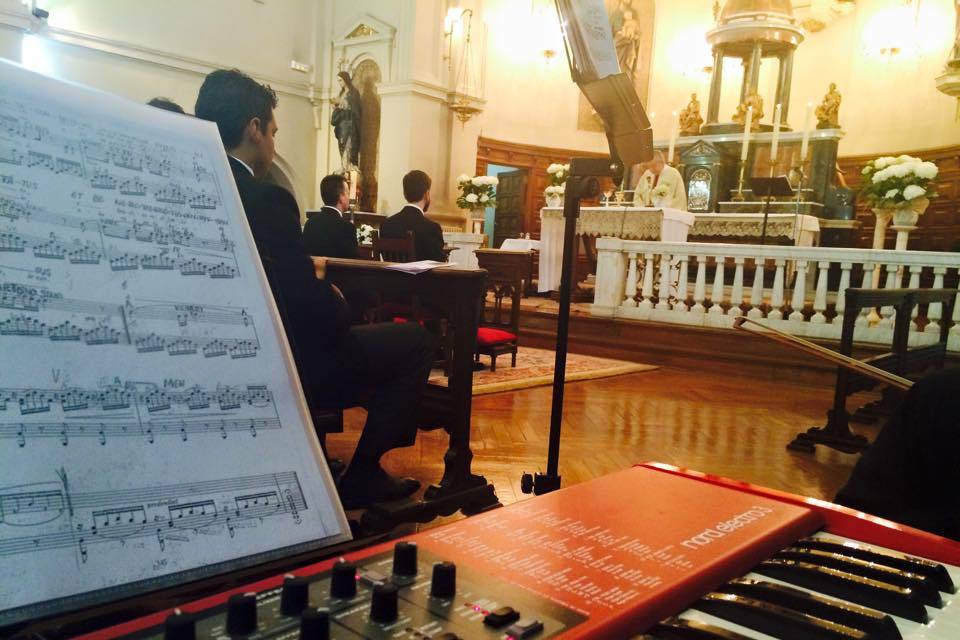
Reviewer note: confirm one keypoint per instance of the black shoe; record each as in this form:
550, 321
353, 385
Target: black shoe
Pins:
360, 488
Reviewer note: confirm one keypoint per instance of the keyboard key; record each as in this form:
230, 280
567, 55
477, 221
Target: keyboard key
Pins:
898, 601
680, 629
775, 620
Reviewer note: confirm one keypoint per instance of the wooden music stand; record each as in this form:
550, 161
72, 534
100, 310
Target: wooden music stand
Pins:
767, 188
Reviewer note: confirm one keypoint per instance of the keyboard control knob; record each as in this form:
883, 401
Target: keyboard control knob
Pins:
242, 614
383, 607
343, 580
443, 584
315, 625
294, 596
180, 626
405, 559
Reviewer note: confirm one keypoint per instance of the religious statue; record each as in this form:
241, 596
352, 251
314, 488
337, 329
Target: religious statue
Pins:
690, 118
828, 113
626, 37
345, 120
740, 117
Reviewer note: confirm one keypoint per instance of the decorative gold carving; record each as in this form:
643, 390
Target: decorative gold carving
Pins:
828, 113
740, 117
362, 30
690, 118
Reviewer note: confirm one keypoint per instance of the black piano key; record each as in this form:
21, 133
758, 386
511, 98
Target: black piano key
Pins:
877, 624
898, 601
921, 585
683, 629
773, 619
920, 566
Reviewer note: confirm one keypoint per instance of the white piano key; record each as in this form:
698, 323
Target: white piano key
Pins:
699, 616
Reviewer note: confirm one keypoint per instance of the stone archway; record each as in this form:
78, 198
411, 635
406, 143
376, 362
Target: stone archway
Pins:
367, 77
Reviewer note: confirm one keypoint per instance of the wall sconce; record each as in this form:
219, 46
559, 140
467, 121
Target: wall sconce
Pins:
455, 22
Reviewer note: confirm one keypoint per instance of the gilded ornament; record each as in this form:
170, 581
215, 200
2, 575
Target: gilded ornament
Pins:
690, 118
828, 113
753, 100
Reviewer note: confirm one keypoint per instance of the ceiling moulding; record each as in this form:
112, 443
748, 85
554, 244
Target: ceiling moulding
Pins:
817, 15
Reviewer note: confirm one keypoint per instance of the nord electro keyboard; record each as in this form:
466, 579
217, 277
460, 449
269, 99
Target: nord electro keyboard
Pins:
652, 552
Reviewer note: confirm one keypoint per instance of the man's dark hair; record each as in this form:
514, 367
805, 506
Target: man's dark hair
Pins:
166, 104
415, 185
331, 187
232, 99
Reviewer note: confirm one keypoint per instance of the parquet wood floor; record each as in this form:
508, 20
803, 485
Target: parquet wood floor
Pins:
733, 426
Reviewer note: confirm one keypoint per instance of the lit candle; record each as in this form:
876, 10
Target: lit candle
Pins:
805, 145
776, 134
746, 134
673, 137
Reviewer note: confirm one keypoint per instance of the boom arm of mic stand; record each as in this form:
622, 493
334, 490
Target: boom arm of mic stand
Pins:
582, 183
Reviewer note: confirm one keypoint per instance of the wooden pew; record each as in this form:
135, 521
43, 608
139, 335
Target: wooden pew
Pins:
459, 294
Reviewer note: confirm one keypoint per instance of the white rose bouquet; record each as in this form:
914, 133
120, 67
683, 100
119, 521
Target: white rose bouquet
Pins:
364, 234
477, 192
889, 181
558, 174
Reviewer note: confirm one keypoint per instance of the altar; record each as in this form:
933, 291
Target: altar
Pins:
668, 225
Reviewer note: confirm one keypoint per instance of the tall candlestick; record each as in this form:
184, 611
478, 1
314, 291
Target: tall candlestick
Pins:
674, 128
748, 123
776, 134
805, 145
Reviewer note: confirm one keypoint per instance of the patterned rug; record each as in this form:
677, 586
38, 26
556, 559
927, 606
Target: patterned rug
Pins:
535, 369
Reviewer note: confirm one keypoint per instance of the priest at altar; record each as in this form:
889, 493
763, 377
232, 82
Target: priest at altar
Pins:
659, 177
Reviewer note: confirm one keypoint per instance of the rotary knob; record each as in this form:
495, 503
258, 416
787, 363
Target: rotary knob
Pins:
343, 580
315, 625
443, 583
242, 614
405, 559
383, 607
180, 626
294, 596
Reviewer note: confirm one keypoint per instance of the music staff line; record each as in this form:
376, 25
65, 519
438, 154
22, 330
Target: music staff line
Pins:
168, 513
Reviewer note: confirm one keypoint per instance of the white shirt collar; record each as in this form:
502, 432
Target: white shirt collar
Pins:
334, 209
246, 166
417, 207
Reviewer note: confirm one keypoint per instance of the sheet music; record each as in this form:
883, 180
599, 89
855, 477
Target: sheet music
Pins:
151, 423
587, 28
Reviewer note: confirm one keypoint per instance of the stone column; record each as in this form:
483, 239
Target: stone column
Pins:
756, 58
784, 80
716, 81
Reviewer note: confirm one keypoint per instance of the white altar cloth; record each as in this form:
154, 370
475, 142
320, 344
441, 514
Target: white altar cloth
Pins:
520, 244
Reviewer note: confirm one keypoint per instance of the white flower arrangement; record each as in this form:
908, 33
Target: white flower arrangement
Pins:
364, 234
558, 174
890, 181
477, 191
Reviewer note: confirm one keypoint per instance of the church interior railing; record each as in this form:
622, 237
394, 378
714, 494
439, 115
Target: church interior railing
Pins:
795, 289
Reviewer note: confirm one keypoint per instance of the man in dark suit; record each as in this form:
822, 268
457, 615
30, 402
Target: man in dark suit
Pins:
337, 363
428, 236
327, 233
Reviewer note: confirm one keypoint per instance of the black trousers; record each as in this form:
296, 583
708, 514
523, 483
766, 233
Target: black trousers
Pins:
911, 473
383, 367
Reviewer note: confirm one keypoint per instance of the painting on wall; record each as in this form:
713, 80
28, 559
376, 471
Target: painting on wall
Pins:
366, 78
631, 22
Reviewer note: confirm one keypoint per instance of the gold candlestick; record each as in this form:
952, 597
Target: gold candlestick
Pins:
738, 196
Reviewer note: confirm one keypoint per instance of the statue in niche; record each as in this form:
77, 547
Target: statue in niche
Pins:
690, 118
346, 122
828, 113
740, 117
626, 37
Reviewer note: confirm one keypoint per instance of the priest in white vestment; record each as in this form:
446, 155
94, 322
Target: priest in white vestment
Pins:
658, 177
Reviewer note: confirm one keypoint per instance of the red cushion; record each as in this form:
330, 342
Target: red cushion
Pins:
401, 320
487, 336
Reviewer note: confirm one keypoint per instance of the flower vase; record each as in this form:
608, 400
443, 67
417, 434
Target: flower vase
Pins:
554, 200
904, 217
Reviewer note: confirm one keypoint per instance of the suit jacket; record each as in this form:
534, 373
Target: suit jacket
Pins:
677, 195
328, 234
315, 318
428, 236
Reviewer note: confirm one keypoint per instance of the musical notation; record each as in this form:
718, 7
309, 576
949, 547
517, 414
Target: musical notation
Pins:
135, 410
55, 515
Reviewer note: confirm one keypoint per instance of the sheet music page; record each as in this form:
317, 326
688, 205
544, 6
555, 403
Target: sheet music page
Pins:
587, 26
151, 421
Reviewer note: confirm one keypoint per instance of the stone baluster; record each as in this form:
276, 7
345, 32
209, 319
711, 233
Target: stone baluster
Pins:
716, 297
915, 271
776, 296
820, 299
841, 304
646, 300
663, 301
935, 312
681, 303
700, 288
756, 292
887, 314
956, 317
631, 295
870, 271
799, 291
736, 295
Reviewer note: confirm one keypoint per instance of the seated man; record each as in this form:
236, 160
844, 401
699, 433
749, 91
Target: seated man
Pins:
327, 233
336, 362
658, 173
428, 236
